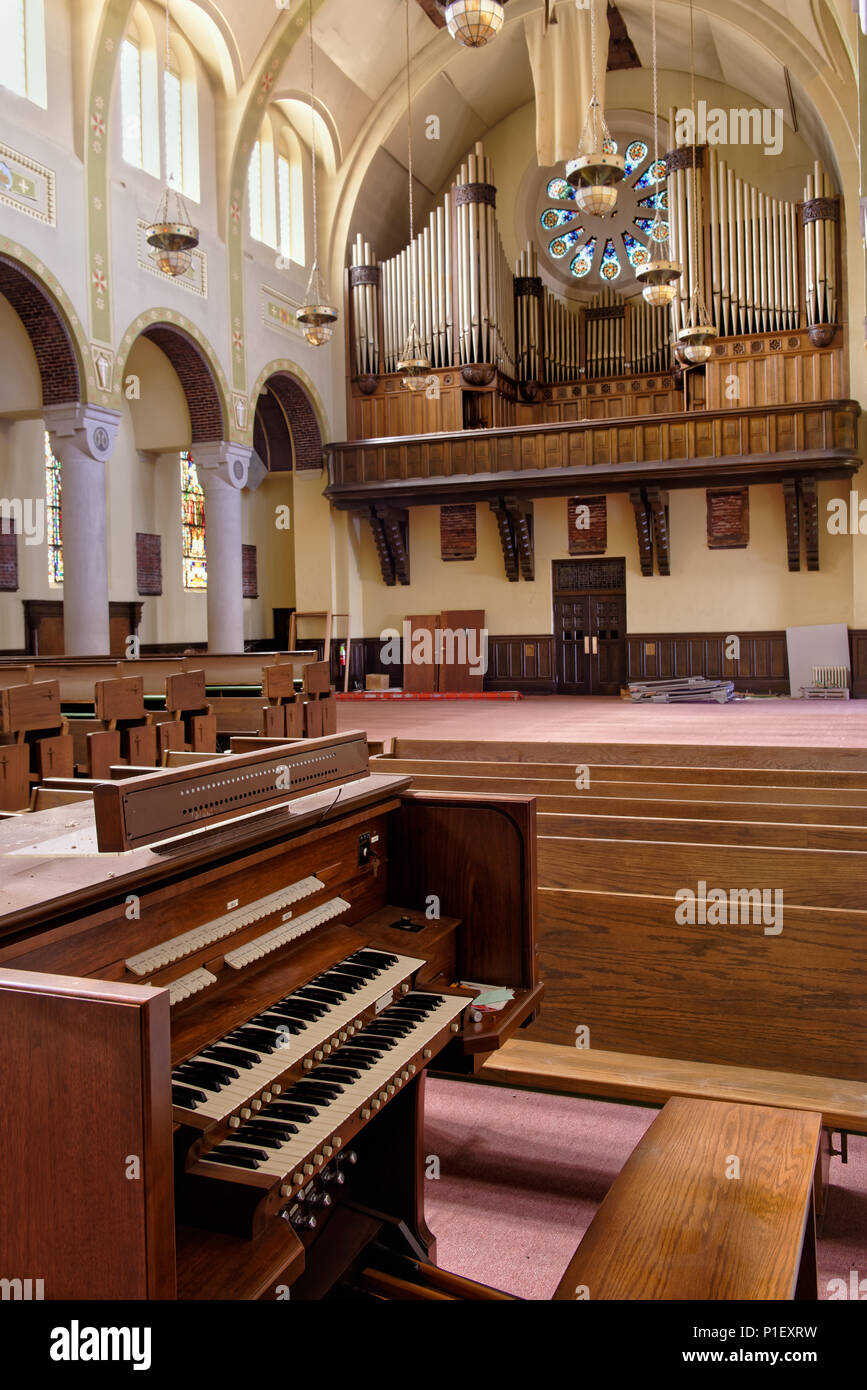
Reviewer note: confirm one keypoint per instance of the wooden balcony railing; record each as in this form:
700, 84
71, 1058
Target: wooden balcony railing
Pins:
683, 449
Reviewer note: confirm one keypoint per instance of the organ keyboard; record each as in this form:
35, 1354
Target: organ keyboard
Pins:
247, 1010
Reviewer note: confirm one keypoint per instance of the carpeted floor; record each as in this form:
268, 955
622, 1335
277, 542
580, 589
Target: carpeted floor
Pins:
521, 1175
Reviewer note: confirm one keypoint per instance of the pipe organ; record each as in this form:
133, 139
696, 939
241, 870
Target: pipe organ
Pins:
764, 265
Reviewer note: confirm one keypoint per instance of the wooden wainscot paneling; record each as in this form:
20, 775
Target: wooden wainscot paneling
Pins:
521, 663
782, 368
756, 661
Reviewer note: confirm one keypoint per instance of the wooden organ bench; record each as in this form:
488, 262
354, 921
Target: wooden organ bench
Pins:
715, 1202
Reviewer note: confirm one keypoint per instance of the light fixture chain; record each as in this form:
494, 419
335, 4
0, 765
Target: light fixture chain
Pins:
313, 137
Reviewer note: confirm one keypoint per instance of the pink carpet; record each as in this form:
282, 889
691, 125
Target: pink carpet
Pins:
522, 1175
600, 719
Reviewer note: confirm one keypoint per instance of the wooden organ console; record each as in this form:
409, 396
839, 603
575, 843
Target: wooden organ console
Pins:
222, 987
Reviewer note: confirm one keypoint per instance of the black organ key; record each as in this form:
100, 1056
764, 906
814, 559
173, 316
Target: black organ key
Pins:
224, 1051
231, 1160
186, 1099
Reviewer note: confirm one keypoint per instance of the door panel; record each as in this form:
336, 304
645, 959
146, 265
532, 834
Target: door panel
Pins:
572, 642
589, 628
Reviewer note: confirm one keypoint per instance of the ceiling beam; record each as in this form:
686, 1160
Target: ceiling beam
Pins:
434, 12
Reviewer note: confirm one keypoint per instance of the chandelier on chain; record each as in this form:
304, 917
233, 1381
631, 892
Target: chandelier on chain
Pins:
694, 342
316, 316
172, 234
414, 362
474, 22
598, 168
660, 275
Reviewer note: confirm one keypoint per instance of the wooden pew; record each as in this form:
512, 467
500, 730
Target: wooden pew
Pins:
47, 798
677, 1225
807, 877
683, 829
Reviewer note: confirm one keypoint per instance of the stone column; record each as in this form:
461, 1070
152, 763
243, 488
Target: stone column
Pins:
82, 438
223, 471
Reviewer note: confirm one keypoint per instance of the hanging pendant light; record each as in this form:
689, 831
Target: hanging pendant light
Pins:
316, 316
696, 339
598, 168
474, 22
414, 362
172, 234
660, 275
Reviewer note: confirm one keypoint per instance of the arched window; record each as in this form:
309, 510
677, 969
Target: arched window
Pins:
145, 116
276, 191
140, 129
181, 123
53, 517
22, 49
290, 197
193, 525
262, 188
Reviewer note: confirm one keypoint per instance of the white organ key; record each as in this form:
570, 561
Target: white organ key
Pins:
282, 1162
250, 1081
185, 985
279, 936
146, 962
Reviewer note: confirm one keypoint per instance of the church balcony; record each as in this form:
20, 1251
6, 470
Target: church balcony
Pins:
699, 448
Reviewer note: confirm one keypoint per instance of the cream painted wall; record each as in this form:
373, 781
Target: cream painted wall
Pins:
708, 590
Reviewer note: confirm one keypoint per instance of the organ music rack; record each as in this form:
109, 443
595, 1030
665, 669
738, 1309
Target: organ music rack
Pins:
217, 1012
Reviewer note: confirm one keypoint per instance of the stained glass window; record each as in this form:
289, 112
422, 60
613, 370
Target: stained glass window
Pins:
53, 520
653, 174
560, 245
559, 188
193, 525
656, 200
556, 217
642, 197
583, 261
610, 268
636, 251
636, 153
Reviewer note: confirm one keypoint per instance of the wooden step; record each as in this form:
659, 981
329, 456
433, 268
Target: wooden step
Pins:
591, 773
654, 1080
713, 755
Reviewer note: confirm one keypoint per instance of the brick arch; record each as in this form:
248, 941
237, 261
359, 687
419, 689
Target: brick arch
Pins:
45, 324
197, 378
284, 402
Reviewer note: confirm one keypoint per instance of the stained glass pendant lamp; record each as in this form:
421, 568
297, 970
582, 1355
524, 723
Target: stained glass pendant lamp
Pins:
598, 169
316, 316
660, 275
696, 339
414, 362
172, 234
474, 22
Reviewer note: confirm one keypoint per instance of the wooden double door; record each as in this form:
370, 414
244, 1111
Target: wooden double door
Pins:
589, 627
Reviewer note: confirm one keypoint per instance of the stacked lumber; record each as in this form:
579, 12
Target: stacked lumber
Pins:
693, 690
